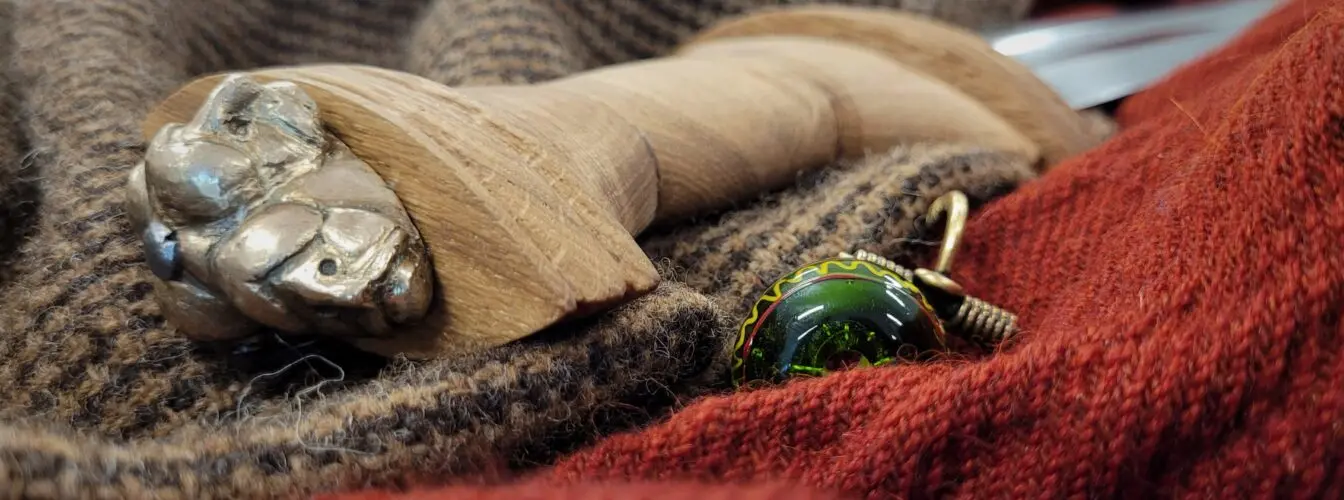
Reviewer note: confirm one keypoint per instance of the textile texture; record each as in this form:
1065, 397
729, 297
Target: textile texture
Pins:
99, 398
1180, 288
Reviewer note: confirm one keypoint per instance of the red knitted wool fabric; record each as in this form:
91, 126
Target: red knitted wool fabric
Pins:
676, 491
1180, 289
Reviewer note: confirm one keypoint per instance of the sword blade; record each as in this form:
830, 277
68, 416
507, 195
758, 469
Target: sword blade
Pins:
1096, 61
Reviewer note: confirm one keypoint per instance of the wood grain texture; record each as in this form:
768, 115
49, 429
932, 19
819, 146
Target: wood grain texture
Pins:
945, 52
731, 119
528, 196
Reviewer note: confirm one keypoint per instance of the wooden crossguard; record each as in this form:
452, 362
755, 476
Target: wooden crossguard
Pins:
528, 197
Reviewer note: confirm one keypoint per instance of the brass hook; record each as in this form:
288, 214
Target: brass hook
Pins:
957, 208
978, 321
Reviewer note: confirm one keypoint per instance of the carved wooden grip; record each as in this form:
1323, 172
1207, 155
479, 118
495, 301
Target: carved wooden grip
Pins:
528, 197
947, 53
730, 119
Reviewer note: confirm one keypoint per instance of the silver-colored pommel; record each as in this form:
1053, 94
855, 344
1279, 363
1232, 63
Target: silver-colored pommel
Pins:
253, 214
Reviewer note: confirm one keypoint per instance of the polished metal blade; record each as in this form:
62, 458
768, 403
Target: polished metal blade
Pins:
1096, 61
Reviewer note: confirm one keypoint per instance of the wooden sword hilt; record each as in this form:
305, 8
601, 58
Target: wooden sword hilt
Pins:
528, 197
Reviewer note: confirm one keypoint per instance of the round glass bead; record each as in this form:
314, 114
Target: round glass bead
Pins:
834, 315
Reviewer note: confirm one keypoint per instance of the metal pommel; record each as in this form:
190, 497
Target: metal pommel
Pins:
253, 215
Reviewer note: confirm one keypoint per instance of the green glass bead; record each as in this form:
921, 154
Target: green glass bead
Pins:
833, 315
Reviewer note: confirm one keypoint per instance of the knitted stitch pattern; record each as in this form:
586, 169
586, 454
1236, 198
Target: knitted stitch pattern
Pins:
1180, 289
98, 398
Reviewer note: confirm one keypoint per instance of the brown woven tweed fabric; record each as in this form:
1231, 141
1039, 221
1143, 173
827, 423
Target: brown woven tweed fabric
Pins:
98, 398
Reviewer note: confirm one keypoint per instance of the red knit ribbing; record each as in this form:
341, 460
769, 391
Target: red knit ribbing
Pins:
1180, 289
